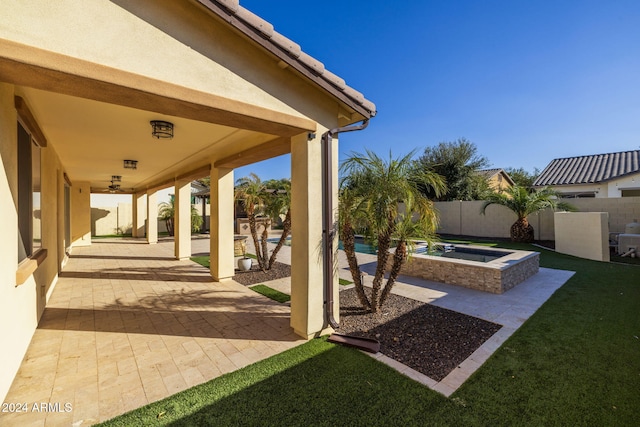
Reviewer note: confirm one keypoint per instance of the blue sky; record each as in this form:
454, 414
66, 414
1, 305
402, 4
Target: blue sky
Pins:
526, 81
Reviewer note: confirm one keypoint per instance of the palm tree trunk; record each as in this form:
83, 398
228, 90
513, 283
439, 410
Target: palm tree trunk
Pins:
265, 249
254, 236
399, 258
522, 231
384, 242
349, 244
286, 229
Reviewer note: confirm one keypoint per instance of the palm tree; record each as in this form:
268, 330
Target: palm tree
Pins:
382, 185
418, 221
250, 192
352, 216
269, 200
167, 211
523, 203
278, 204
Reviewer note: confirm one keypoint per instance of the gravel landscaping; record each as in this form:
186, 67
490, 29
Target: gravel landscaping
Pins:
255, 275
427, 338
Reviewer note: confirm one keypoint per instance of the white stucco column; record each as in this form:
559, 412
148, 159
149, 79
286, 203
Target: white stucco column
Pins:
307, 292
139, 214
152, 217
182, 219
221, 224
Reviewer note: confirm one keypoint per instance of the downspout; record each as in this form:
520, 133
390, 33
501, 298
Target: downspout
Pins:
329, 227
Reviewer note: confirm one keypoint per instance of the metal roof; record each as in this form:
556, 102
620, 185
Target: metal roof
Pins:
589, 169
262, 32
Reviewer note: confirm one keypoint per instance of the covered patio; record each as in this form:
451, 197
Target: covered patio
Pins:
78, 116
128, 324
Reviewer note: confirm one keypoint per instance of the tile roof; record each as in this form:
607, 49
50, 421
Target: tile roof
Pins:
589, 169
289, 52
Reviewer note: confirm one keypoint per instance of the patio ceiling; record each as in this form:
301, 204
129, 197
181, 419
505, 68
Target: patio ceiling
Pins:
93, 138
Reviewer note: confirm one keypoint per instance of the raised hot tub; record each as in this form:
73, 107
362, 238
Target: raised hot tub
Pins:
475, 267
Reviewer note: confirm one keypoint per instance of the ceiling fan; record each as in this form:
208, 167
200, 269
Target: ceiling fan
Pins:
114, 188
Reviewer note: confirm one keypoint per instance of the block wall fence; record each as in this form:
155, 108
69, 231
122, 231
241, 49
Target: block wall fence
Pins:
464, 217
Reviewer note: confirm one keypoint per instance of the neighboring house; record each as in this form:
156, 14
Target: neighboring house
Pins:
498, 179
598, 175
80, 84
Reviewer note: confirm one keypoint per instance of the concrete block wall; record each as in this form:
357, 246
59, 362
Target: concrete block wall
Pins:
111, 220
464, 218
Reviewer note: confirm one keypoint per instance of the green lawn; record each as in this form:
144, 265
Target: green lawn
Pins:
271, 293
204, 260
576, 361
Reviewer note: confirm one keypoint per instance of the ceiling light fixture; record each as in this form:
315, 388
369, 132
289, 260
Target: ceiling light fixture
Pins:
131, 164
161, 129
116, 178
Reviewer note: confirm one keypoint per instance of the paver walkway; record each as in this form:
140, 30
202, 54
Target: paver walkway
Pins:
127, 325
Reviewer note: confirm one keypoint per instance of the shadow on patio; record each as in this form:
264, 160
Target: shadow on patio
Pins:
127, 324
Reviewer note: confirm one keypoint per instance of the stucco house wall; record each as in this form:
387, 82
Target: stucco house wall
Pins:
22, 305
608, 189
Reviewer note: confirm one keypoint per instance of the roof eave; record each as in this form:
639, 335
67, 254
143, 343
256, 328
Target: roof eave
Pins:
363, 107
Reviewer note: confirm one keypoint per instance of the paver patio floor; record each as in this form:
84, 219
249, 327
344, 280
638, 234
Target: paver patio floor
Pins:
127, 324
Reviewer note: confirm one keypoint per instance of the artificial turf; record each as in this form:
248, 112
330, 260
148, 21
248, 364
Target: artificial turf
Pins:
271, 293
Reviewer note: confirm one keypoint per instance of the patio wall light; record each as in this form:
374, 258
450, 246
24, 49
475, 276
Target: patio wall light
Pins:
131, 164
161, 129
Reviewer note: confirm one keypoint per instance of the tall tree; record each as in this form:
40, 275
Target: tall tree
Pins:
523, 203
522, 177
373, 192
458, 162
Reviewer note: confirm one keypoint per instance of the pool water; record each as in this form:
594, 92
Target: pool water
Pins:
457, 252
469, 254
361, 247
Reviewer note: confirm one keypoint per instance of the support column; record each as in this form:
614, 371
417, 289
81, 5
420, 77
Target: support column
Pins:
221, 224
139, 203
182, 220
307, 291
152, 217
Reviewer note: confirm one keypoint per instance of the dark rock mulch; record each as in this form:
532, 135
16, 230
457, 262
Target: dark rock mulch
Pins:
255, 275
427, 338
